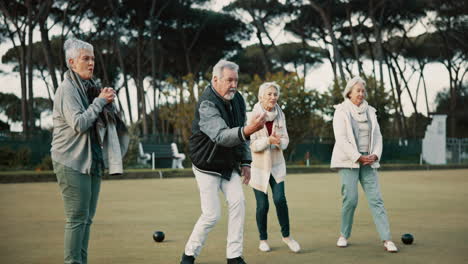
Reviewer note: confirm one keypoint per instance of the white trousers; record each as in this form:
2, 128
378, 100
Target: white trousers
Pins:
209, 187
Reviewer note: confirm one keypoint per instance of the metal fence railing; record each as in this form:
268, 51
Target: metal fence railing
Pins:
311, 151
320, 151
34, 147
457, 150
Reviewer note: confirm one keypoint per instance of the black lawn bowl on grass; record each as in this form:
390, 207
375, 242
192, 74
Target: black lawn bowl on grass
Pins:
158, 236
407, 239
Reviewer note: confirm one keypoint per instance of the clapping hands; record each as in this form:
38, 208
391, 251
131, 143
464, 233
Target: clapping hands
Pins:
274, 139
108, 94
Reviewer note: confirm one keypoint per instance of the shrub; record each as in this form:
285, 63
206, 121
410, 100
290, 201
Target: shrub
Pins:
13, 159
46, 164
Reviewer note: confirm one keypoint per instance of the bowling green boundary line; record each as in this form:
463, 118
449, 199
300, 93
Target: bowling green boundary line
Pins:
49, 176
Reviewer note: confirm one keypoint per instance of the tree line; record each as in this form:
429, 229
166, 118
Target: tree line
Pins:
163, 51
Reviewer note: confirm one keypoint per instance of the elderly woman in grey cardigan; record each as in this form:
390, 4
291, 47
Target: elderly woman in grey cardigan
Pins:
88, 136
269, 166
356, 155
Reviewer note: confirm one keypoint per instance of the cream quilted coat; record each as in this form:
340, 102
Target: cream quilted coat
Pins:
268, 159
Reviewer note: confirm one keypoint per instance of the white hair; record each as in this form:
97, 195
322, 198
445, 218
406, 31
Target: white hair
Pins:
219, 67
350, 85
265, 86
72, 48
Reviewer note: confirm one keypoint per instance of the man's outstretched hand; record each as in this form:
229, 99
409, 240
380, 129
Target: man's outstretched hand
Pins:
257, 124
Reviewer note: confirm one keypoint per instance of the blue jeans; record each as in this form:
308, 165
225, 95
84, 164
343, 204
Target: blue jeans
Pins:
80, 194
349, 190
279, 198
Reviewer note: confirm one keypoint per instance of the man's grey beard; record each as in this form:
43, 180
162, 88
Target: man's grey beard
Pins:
230, 95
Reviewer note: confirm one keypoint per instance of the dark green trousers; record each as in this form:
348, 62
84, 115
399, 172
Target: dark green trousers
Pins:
279, 198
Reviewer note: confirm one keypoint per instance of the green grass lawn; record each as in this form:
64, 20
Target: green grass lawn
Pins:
432, 205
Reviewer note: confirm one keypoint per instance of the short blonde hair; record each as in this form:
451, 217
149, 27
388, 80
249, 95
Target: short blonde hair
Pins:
350, 85
265, 86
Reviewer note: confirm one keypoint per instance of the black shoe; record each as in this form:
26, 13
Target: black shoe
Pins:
187, 259
238, 260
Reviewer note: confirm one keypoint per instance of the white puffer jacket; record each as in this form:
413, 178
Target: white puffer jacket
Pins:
345, 152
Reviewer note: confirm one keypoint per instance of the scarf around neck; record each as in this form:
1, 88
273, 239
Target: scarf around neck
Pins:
277, 113
92, 90
359, 113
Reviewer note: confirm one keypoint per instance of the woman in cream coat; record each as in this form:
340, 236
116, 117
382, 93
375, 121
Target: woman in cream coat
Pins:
269, 166
356, 155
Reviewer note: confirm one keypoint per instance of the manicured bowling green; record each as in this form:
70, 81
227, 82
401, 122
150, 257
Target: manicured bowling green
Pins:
431, 205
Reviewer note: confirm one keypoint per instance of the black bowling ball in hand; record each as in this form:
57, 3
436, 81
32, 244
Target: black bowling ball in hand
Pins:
158, 236
407, 239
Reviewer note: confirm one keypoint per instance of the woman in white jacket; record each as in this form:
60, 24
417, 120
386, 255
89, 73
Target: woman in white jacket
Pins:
356, 155
268, 164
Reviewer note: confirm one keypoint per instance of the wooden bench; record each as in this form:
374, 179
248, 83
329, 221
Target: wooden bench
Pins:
165, 155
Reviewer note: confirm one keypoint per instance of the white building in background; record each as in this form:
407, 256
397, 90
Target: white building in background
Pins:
434, 149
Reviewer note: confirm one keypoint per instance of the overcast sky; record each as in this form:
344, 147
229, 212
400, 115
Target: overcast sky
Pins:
319, 78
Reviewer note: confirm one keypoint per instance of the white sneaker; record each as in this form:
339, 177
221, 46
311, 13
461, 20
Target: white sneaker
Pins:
292, 244
342, 242
264, 246
390, 246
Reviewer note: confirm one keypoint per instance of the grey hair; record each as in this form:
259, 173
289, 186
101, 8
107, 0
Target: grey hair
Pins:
350, 85
72, 48
219, 67
265, 86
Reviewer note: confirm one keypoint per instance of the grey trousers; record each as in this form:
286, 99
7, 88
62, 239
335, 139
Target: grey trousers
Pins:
80, 194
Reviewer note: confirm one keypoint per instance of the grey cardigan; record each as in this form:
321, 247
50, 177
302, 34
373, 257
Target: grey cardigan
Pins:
72, 120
